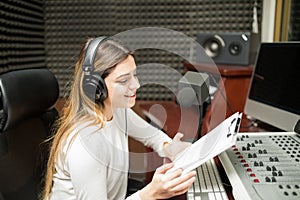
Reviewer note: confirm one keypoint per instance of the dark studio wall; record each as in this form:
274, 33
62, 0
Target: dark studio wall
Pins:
294, 29
22, 35
50, 32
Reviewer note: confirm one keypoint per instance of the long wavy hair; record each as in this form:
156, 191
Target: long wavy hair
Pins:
78, 107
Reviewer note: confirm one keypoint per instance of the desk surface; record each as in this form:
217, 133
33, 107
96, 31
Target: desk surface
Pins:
223, 70
175, 119
172, 117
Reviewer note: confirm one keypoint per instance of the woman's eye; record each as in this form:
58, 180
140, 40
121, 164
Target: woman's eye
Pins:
123, 81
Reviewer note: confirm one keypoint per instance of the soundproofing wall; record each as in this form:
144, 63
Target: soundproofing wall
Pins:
294, 29
69, 23
22, 42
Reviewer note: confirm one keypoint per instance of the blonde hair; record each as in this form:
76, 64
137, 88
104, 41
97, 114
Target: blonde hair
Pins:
78, 107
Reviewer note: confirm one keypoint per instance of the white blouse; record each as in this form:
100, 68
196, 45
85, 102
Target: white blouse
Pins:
97, 161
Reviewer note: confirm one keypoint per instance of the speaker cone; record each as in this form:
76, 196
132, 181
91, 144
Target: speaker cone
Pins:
234, 48
213, 46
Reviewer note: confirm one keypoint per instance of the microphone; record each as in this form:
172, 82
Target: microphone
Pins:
193, 89
186, 97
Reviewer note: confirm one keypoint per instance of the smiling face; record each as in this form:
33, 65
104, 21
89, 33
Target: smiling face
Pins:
122, 84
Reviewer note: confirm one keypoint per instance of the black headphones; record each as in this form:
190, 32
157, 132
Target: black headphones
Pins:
93, 85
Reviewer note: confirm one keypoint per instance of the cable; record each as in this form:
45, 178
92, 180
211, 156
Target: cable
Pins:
126, 134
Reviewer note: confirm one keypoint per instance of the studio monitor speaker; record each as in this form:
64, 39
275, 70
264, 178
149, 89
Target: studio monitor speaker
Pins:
229, 48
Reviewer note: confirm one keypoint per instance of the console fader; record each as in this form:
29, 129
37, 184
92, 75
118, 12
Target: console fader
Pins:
264, 165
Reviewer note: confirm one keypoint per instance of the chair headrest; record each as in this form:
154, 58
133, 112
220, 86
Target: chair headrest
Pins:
26, 93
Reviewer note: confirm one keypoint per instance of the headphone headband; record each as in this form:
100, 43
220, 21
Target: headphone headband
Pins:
88, 62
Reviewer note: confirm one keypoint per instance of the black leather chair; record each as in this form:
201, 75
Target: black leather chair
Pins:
27, 113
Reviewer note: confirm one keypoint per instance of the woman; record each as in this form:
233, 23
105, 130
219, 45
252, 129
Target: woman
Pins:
89, 153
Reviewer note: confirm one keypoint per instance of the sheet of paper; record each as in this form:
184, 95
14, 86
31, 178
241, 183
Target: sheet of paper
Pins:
210, 145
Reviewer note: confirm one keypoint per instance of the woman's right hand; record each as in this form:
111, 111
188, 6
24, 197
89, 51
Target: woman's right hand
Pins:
164, 186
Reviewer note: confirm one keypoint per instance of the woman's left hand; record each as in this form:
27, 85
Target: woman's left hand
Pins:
172, 149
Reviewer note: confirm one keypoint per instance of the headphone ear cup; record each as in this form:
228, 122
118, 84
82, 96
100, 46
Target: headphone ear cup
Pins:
94, 87
102, 89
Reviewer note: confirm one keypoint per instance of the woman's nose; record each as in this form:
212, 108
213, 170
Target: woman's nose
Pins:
135, 84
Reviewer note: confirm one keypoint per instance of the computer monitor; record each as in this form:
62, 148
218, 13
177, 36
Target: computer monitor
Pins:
274, 92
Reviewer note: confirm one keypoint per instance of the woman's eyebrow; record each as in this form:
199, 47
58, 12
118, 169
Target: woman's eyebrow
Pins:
122, 75
127, 74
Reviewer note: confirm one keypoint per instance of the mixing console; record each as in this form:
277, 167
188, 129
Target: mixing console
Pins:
208, 184
264, 165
